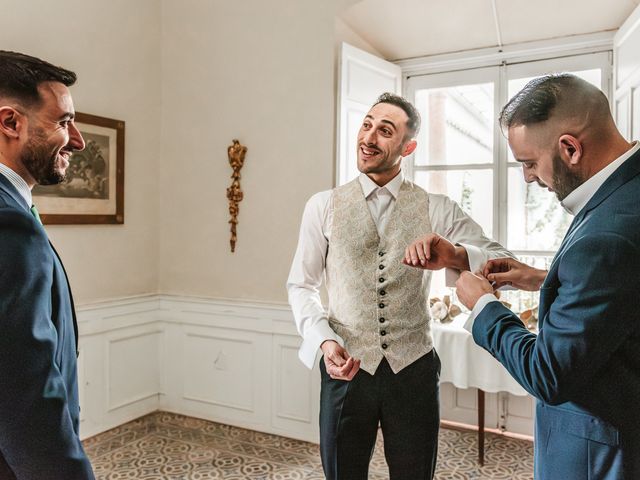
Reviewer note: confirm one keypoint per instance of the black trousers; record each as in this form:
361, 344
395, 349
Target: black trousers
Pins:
407, 407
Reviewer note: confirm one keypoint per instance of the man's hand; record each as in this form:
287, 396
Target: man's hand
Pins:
508, 271
339, 364
470, 287
434, 252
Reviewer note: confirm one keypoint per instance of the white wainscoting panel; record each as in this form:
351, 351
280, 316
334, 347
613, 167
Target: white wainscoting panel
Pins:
225, 375
135, 352
296, 392
222, 360
120, 344
461, 405
214, 361
517, 414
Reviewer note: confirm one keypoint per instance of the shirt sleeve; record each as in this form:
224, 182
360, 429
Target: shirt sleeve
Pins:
448, 220
305, 278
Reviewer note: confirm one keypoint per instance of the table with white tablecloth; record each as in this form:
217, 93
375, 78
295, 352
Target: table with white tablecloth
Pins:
466, 365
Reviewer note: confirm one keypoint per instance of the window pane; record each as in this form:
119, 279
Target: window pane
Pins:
536, 219
457, 125
471, 189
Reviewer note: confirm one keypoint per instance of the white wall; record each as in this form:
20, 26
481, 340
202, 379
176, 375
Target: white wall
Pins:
261, 72
188, 77
114, 48
344, 33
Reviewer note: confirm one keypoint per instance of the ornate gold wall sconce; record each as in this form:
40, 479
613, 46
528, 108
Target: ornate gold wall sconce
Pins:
236, 153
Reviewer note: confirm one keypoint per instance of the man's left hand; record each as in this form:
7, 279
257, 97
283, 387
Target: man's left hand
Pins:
433, 252
470, 287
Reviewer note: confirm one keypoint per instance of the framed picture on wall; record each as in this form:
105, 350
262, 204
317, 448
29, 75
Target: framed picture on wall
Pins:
93, 191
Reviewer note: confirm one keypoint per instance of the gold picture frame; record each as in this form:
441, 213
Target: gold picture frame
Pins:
93, 192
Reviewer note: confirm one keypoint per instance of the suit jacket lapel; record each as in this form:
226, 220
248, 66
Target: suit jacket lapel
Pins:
625, 172
73, 307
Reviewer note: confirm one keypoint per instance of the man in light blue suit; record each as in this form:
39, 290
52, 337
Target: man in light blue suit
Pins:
39, 411
584, 364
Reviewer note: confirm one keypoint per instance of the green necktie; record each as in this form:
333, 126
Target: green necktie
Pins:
34, 212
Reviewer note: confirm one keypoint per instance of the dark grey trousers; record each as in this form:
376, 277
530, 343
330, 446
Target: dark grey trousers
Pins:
406, 406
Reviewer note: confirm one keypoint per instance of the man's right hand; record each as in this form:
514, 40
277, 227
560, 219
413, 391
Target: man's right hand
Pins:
508, 271
339, 364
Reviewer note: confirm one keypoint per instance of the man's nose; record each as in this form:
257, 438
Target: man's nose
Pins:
369, 137
528, 176
75, 137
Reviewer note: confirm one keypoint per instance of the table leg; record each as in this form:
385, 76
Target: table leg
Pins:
481, 427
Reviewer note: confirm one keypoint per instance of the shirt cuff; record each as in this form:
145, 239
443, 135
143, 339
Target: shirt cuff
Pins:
477, 259
476, 262
482, 302
313, 338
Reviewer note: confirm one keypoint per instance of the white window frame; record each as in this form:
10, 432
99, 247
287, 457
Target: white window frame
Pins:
592, 52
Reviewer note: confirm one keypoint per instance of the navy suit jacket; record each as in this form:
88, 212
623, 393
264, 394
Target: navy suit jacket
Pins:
584, 365
39, 411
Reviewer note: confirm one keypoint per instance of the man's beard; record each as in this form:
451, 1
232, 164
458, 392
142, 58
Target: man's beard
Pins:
564, 180
40, 162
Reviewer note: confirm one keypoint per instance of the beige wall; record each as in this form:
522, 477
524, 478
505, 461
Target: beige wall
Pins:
261, 72
344, 33
114, 48
188, 77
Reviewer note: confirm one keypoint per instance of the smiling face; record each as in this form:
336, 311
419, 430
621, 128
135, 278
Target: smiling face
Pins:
383, 141
52, 136
541, 161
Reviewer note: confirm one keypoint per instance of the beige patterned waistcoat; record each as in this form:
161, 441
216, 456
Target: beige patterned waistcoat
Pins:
377, 304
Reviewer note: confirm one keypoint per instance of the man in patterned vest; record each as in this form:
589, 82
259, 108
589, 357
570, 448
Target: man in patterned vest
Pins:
379, 366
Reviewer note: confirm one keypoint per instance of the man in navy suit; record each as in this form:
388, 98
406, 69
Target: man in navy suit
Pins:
584, 364
39, 411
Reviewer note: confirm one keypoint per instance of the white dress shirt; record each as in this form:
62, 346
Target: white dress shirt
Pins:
18, 182
307, 269
572, 203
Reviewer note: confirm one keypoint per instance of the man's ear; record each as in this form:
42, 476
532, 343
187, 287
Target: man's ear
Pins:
570, 149
409, 148
11, 122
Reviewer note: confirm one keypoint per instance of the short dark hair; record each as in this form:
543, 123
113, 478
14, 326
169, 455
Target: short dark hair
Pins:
413, 123
21, 74
536, 102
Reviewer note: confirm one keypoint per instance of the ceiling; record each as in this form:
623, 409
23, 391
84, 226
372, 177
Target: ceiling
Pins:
401, 29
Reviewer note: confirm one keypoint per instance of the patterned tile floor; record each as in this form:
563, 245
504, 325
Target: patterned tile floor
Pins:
170, 446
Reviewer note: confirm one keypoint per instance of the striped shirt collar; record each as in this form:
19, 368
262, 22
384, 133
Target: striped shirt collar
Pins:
18, 182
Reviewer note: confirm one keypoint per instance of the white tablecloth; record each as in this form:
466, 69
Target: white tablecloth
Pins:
465, 364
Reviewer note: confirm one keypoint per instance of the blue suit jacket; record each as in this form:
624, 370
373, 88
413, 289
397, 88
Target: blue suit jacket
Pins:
584, 365
39, 412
